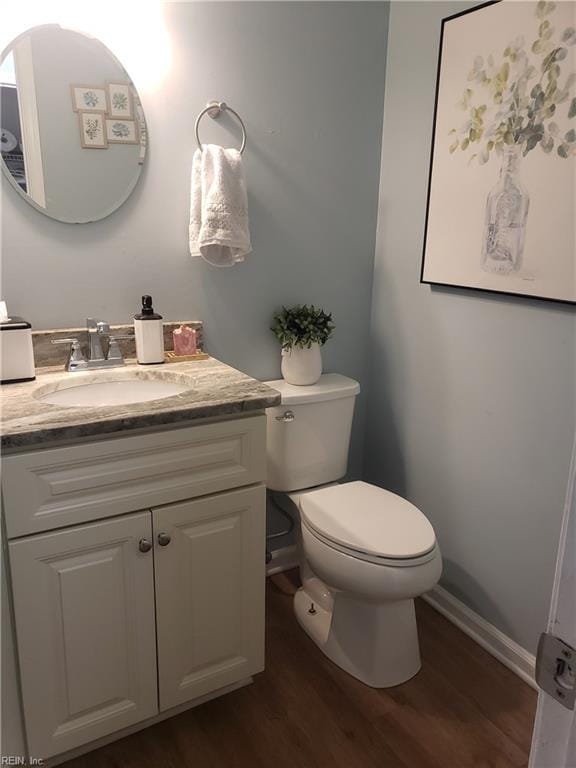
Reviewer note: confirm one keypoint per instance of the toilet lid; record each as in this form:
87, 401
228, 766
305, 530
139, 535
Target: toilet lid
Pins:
368, 519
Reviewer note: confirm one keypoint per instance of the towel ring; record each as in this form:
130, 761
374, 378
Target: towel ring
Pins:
215, 109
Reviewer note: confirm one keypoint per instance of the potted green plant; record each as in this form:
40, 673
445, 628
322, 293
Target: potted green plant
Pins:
301, 331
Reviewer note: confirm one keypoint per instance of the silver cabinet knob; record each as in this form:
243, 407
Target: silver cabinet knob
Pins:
144, 545
164, 539
286, 417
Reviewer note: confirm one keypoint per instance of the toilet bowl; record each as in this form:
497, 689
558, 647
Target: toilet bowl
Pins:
366, 553
369, 554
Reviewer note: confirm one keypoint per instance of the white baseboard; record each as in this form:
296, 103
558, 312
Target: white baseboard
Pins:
512, 655
283, 559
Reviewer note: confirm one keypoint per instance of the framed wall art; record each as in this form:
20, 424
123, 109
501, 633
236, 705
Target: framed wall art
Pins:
121, 132
89, 98
93, 130
502, 187
120, 101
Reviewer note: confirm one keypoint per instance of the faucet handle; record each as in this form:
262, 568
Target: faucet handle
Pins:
114, 351
76, 359
71, 340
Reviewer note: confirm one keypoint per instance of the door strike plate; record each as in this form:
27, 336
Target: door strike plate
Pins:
556, 669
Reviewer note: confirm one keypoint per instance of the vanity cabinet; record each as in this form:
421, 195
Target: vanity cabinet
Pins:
124, 618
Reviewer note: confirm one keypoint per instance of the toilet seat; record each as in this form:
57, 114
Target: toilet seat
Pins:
369, 523
391, 562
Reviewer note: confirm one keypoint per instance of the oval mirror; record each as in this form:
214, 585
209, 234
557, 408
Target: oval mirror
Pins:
73, 133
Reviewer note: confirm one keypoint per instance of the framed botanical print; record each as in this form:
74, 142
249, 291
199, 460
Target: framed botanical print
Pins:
120, 101
93, 130
502, 189
89, 98
121, 132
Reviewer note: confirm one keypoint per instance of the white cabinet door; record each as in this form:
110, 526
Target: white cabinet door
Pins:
209, 593
84, 606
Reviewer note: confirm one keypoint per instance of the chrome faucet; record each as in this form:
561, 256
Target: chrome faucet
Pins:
95, 330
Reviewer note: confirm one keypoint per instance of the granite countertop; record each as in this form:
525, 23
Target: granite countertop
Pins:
216, 389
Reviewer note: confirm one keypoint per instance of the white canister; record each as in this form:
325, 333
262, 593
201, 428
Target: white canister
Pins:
16, 351
149, 334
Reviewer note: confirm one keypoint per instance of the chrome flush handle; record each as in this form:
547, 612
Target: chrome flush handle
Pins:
287, 417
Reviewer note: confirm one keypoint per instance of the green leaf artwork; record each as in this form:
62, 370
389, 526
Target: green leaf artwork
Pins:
92, 128
120, 101
91, 99
516, 99
120, 130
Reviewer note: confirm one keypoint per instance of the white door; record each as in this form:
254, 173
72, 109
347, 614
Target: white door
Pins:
84, 607
554, 740
210, 577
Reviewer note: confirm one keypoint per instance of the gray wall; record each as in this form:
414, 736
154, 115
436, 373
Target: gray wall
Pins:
472, 396
308, 79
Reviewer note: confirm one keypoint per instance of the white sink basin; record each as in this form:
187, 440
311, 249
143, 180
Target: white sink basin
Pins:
122, 392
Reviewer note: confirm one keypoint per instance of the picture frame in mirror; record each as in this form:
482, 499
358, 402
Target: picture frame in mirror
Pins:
120, 100
89, 98
93, 133
121, 131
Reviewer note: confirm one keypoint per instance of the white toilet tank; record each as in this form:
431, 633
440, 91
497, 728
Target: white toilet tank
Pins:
308, 435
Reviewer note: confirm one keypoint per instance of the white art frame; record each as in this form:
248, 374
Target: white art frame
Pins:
122, 131
92, 130
502, 187
89, 98
120, 100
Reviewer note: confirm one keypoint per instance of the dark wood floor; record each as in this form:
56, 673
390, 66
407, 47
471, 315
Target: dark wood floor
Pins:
463, 710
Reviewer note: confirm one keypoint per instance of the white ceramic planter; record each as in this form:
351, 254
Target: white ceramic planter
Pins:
302, 366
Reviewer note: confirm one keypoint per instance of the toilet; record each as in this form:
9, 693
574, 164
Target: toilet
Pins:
366, 553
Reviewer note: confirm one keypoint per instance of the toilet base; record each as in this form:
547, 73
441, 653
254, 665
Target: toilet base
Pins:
376, 643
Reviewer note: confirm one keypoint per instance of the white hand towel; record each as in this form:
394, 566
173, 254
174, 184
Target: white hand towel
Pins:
219, 207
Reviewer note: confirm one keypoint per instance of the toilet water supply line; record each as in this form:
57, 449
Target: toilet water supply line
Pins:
269, 536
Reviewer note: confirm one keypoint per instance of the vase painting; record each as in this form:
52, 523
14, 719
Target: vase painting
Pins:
502, 188
506, 214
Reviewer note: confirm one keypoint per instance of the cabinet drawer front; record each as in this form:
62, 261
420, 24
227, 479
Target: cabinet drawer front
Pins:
210, 579
84, 608
59, 487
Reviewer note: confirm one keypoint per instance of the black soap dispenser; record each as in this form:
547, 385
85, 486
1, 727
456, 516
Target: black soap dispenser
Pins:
149, 333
